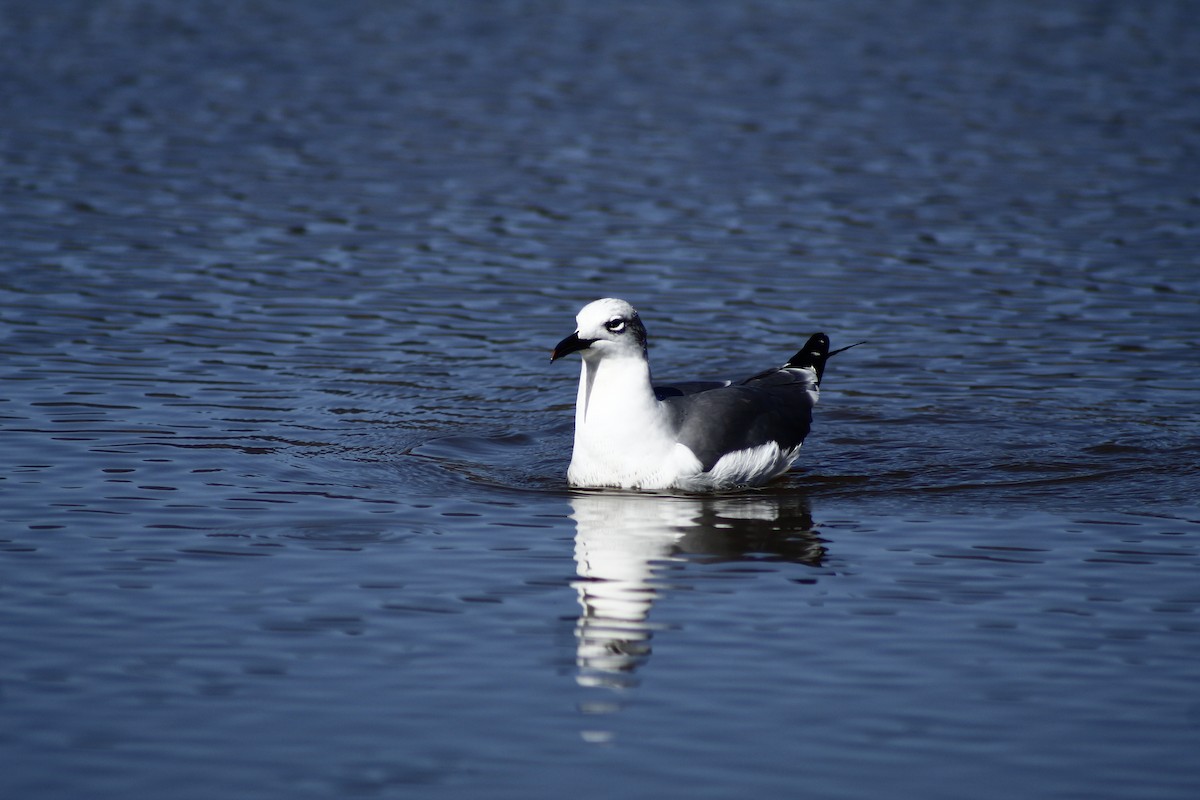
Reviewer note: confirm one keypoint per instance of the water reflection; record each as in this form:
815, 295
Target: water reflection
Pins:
625, 545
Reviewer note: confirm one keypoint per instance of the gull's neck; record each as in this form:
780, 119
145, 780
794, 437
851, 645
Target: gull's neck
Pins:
621, 429
613, 387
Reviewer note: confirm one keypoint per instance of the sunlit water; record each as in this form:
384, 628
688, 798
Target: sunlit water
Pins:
282, 453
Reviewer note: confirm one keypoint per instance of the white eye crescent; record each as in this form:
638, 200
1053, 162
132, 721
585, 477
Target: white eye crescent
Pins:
616, 325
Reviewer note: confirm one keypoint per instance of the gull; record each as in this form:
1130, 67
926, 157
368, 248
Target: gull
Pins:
694, 436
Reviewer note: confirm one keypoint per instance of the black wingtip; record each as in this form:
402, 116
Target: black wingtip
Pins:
815, 353
833, 353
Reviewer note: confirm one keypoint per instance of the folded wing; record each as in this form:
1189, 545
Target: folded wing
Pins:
772, 406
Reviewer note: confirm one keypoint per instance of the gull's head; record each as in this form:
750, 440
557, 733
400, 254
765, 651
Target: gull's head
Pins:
605, 327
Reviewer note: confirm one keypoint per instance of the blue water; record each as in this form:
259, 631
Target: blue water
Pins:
282, 456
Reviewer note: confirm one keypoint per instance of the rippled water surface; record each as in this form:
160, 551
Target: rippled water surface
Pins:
282, 497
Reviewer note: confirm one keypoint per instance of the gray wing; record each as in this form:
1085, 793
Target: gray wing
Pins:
772, 406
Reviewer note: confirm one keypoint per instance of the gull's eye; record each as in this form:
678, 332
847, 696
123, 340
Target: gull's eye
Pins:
616, 324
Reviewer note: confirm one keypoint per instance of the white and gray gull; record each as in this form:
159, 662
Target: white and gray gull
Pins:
695, 436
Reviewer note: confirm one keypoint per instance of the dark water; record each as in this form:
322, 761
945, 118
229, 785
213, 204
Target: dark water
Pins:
282, 502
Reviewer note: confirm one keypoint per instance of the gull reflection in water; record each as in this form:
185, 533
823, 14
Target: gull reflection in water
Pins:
624, 543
